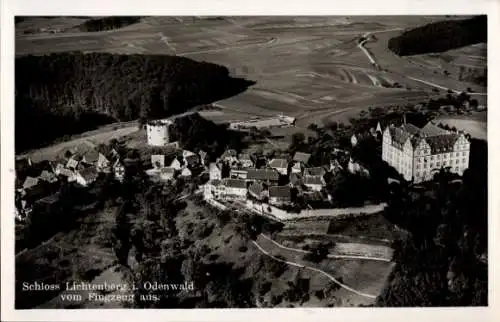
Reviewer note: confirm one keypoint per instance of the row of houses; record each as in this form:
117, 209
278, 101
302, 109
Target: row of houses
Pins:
81, 165
274, 182
183, 165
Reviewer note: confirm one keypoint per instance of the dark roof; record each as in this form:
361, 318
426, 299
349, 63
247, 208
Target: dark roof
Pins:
192, 160
256, 188
432, 130
316, 171
91, 156
262, 174
50, 199
301, 157
438, 139
89, 173
235, 183
442, 143
167, 170
30, 182
280, 191
47, 176
313, 180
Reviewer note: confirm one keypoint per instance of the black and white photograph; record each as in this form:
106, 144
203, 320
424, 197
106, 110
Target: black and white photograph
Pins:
222, 162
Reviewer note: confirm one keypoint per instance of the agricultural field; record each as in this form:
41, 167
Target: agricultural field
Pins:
475, 125
310, 68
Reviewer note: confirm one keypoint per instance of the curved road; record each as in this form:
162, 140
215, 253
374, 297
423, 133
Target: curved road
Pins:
373, 62
333, 279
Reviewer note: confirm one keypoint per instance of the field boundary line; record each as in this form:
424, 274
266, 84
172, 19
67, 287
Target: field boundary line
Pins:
330, 255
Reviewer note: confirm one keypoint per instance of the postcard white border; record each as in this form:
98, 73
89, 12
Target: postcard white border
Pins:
10, 8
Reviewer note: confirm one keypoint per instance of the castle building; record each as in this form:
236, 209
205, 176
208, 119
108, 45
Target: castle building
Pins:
417, 153
158, 132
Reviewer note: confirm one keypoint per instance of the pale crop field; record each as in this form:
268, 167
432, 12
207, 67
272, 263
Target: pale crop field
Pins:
307, 67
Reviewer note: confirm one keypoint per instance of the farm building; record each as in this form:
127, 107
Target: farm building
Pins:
272, 122
158, 132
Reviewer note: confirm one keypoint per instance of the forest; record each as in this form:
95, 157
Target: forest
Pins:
440, 36
107, 23
67, 93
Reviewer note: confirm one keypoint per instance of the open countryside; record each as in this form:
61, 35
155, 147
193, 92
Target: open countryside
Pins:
333, 172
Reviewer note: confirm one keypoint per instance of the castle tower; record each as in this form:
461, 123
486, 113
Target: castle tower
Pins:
158, 132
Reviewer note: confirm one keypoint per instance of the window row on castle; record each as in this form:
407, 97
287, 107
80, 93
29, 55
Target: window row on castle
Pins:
442, 156
428, 151
438, 164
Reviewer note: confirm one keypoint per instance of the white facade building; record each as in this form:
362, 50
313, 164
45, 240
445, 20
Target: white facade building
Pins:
418, 153
158, 132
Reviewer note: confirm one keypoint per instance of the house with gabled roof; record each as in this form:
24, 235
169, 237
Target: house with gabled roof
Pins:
65, 173
215, 171
30, 182
119, 170
167, 173
315, 183
86, 176
73, 162
91, 157
315, 171
265, 175
301, 157
192, 161
234, 189
103, 164
280, 165
280, 195
186, 173
239, 173
176, 164
245, 160
48, 176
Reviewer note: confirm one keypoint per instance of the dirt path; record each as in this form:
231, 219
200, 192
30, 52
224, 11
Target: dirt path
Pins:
330, 255
330, 277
